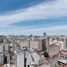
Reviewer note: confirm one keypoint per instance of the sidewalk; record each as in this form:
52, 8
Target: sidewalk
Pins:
45, 65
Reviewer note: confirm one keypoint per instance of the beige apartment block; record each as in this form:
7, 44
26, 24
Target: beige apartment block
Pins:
32, 44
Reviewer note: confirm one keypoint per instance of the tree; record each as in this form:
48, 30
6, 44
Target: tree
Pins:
46, 54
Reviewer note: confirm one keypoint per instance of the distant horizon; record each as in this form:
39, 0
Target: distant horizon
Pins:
32, 35
27, 17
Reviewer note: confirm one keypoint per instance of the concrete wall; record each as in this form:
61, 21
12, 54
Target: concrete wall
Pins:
34, 44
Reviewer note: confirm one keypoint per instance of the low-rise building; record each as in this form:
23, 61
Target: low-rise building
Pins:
62, 61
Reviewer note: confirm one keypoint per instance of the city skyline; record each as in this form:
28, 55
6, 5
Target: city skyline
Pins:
33, 17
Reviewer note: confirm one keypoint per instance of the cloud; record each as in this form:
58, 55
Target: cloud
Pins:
60, 29
41, 11
46, 29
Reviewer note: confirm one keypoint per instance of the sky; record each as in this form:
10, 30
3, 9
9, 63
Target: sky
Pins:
25, 17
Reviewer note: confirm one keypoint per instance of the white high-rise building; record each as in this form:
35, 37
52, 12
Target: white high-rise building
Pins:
65, 43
